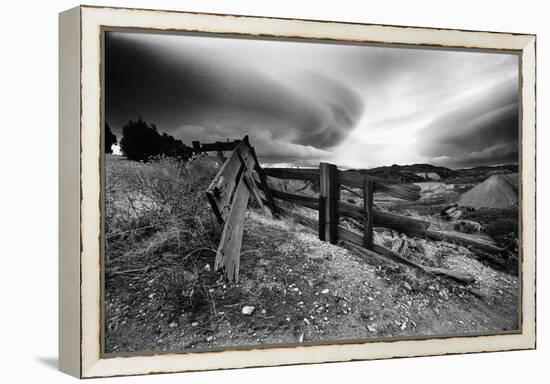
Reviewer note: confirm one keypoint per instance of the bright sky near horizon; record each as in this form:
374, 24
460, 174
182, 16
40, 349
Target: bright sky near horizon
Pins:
304, 102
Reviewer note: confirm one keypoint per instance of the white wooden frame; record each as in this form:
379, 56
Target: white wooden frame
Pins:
80, 192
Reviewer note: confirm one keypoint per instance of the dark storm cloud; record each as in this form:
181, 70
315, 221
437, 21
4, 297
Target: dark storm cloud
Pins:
354, 105
202, 94
483, 130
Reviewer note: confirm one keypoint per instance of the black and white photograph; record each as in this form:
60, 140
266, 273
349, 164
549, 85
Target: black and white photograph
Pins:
260, 192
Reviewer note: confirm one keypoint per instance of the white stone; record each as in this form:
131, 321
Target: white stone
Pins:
247, 310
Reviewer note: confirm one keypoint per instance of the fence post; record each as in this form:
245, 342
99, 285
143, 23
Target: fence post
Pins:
368, 190
329, 196
196, 146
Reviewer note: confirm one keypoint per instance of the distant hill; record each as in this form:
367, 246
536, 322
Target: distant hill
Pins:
415, 173
478, 174
498, 191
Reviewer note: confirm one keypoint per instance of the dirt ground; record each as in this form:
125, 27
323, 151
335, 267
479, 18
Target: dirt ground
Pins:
304, 291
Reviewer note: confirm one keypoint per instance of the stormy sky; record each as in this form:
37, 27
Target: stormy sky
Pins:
303, 102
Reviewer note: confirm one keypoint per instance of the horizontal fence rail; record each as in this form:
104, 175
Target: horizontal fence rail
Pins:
352, 179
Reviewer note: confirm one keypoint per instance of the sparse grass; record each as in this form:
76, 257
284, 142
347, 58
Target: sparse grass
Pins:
160, 232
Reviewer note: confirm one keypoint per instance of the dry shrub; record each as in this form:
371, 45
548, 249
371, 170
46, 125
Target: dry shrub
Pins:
163, 195
159, 226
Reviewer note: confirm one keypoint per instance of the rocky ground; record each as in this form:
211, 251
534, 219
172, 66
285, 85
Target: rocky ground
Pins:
295, 289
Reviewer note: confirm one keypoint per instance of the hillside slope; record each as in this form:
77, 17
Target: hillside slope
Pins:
305, 290
498, 191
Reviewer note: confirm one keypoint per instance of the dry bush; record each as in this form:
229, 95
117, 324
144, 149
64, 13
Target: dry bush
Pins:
165, 194
159, 222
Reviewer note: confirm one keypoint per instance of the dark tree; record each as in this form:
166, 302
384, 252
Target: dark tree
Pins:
110, 139
141, 141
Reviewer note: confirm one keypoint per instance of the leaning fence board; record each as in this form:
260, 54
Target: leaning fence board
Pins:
229, 249
220, 190
247, 159
356, 239
465, 240
263, 181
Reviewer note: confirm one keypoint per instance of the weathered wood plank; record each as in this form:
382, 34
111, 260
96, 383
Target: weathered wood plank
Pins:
229, 249
367, 254
306, 201
403, 224
220, 190
251, 183
322, 223
309, 174
263, 181
368, 220
245, 155
401, 191
330, 192
355, 239
465, 240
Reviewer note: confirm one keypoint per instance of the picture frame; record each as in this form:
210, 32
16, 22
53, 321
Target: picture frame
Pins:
81, 167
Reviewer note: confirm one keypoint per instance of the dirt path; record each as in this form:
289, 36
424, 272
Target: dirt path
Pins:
304, 290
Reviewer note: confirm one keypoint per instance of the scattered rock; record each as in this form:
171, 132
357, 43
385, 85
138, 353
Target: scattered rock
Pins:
325, 291
301, 338
194, 323
207, 267
407, 286
210, 338
248, 310
372, 327
173, 324
263, 312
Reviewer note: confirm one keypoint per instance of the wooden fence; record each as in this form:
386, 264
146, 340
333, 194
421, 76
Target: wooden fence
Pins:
241, 177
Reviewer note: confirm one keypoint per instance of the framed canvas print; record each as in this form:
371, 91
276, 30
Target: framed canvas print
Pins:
247, 191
